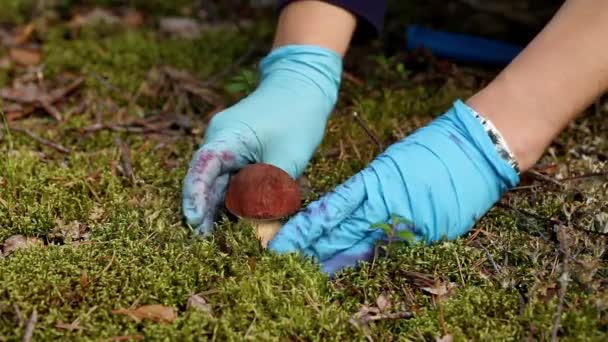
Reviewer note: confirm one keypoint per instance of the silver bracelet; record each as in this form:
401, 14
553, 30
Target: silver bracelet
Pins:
499, 142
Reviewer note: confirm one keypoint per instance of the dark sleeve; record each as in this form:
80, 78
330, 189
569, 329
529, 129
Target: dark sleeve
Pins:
370, 15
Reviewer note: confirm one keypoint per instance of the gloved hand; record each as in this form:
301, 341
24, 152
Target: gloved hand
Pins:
281, 123
441, 179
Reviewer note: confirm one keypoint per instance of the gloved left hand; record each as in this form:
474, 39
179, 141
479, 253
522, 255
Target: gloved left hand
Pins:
281, 123
441, 179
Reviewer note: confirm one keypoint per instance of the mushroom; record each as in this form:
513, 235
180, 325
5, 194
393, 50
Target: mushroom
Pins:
262, 194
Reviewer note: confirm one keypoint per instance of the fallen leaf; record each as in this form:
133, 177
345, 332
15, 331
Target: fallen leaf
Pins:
154, 312
440, 289
95, 16
198, 303
97, 213
84, 279
383, 302
16, 242
305, 187
23, 34
68, 326
133, 18
182, 27
73, 231
28, 92
445, 338
420, 279
25, 56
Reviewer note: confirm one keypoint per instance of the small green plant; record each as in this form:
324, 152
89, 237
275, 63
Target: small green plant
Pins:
242, 83
400, 229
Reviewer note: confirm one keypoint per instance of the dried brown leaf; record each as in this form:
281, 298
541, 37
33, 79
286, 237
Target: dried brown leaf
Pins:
95, 16
97, 213
73, 231
445, 338
133, 18
198, 303
154, 312
440, 289
25, 56
383, 302
16, 242
181, 27
68, 326
22, 93
23, 34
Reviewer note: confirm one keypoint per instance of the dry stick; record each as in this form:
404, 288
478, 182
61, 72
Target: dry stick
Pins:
545, 178
393, 315
125, 155
489, 256
563, 280
368, 130
29, 329
559, 181
588, 175
459, 268
18, 314
41, 140
354, 147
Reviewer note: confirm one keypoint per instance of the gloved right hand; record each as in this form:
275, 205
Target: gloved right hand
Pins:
281, 123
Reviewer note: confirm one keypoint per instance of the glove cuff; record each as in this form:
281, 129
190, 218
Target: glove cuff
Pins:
310, 63
483, 137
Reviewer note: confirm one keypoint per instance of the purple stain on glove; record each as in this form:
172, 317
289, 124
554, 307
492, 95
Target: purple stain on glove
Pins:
227, 156
348, 259
203, 161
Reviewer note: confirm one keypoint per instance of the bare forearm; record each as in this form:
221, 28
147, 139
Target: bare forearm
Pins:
553, 80
318, 23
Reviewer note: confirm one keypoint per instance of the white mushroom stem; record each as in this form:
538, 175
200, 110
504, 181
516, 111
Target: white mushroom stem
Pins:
265, 229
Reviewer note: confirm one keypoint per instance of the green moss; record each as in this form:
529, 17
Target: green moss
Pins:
124, 58
139, 252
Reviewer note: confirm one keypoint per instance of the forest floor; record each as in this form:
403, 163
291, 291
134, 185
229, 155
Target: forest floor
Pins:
102, 109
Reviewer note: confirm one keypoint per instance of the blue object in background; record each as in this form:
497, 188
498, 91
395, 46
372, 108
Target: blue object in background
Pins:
461, 46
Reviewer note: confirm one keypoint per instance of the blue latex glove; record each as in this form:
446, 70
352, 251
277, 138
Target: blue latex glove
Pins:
281, 123
441, 178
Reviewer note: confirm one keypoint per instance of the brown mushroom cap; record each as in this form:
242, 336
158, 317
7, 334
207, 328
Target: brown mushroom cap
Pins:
263, 192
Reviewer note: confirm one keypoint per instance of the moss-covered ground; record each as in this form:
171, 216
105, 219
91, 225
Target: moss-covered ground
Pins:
504, 277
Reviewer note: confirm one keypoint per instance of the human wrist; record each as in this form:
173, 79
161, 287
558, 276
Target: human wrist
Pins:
315, 22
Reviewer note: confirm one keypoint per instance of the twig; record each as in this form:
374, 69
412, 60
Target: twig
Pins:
354, 147
125, 157
41, 140
545, 178
563, 280
312, 302
459, 269
583, 176
444, 327
559, 181
18, 314
352, 78
45, 100
489, 256
392, 315
368, 130
49, 108
218, 76
29, 328
250, 326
